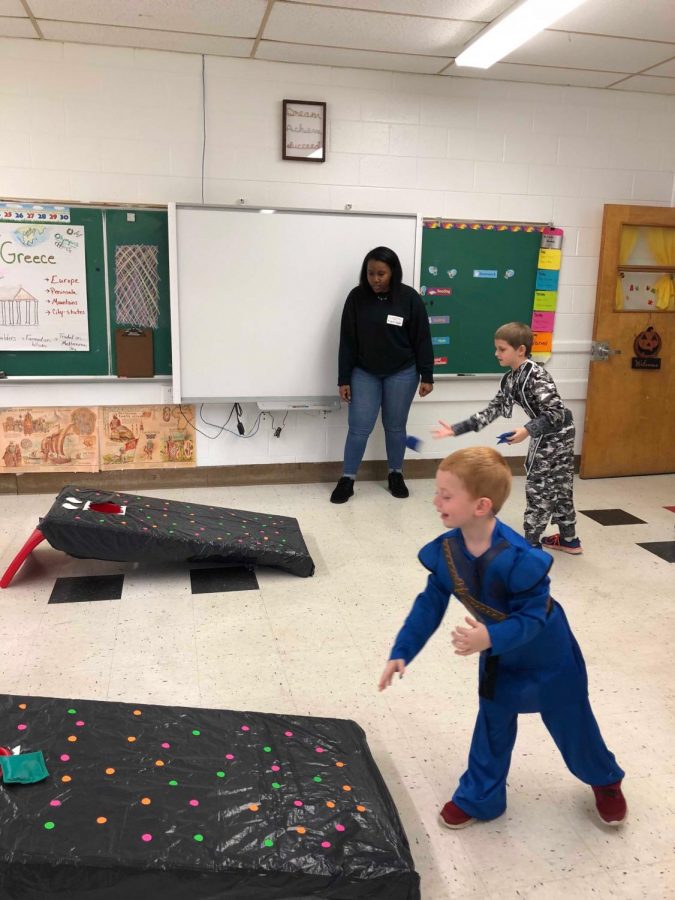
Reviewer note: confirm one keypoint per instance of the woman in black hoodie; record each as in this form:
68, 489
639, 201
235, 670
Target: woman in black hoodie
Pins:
385, 353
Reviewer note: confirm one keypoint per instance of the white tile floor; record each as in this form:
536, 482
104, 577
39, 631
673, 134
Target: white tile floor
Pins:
317, 646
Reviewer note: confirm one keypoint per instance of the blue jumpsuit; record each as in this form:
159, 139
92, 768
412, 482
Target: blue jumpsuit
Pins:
533, 665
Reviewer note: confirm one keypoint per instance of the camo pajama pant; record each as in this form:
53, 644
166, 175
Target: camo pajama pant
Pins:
549, 485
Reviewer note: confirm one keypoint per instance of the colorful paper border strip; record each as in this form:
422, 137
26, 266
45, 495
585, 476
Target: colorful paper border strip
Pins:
481, 226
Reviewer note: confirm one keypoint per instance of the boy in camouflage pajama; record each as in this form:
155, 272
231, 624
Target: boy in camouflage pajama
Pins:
549, 466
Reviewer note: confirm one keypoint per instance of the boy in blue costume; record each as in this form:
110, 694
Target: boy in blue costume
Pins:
529, 658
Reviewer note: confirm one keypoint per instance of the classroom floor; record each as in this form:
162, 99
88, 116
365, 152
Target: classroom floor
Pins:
317, 646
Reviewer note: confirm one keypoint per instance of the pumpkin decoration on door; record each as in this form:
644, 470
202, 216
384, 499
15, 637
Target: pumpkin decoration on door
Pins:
647, 343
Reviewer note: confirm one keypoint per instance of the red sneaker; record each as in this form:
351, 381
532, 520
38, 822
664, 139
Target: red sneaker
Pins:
454, 817
611, 803
556, 542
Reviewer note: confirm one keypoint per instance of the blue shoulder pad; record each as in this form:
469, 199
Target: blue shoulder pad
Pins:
530, 567
429, 554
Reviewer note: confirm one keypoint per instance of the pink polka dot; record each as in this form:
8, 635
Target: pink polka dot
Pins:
64, 757
80, 723
21, 727
55, 803
194, 802
230, 755
276, 768
297, 803
339, 827
288, 733
165, 745
146, 837
319, 749
245, 728
325, 843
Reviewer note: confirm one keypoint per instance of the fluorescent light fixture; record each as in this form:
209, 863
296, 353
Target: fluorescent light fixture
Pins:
513, 29
268, 211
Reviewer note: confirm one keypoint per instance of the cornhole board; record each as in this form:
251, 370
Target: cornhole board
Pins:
146, 801
92, 524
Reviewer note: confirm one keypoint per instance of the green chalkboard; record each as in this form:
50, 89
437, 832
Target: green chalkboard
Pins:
473, 279
105, 230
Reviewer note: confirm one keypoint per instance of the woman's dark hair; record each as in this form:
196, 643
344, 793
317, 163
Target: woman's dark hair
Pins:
385, 255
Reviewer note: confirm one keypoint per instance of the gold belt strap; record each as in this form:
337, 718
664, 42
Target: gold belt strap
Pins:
462, 592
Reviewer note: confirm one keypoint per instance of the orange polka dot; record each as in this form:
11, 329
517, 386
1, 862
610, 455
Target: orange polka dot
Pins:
361, 808
110, 771
330, 804
101, 820
137, 712
346, 787
72, 738
340, 765
66, 779
300, 829
22, 705
131, 739
159, 762
253, 807
146, 801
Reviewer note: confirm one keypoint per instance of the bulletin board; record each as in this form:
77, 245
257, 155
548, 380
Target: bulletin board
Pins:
109, 234
473, 278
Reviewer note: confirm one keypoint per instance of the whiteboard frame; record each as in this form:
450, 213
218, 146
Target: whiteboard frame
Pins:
173, 211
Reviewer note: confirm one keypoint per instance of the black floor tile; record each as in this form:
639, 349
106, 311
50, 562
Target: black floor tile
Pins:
87, 589
612, 517
223, 578
662, 549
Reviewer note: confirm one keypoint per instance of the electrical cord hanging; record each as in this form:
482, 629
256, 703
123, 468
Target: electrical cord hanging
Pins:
242, 434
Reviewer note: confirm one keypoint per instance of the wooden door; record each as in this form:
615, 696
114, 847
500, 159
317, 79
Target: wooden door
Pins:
630, 413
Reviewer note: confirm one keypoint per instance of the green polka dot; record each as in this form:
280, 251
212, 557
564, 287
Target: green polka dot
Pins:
72, 711
220, 774
173, 783
268, 843
196, 732
267, 749
49, 825
276, 785
317, 778
198, 837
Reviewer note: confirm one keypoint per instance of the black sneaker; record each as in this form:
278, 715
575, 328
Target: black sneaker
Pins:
344, 489
397, 485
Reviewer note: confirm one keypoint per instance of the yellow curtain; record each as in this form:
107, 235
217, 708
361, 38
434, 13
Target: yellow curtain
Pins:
662, 244
629, 236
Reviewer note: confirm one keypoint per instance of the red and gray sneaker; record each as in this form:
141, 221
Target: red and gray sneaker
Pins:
454, 817
611, 803
556, 542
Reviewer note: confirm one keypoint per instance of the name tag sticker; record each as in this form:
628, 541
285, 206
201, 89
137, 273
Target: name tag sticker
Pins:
394, 320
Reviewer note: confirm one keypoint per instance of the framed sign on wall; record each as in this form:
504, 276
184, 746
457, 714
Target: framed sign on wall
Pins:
303, 130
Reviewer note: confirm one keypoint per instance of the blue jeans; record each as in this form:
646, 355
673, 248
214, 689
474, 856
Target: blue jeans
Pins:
394, 395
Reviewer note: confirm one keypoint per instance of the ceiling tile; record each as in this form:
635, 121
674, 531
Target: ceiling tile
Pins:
233, 18
538, 75
351, 29
358, 59
17, 28
12, 8
471, 10
647, 84
140, 37
581, 51
653, 21
667, 69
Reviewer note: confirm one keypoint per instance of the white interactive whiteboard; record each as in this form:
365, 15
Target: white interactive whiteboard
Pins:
256, 297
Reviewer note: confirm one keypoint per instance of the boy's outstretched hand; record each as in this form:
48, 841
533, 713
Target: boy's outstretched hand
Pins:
392, 667
472, 639
444, 431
